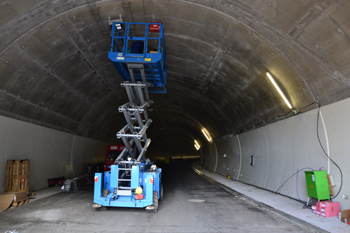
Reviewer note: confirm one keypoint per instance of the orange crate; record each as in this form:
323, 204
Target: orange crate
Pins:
17, 176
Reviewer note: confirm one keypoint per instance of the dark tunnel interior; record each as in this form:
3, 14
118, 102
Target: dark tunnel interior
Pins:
257, 95
55, 71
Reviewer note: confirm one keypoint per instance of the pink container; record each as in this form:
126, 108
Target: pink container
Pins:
330, 209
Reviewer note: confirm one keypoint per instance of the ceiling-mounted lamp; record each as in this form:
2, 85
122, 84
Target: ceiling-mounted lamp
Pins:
207, 135
279, 90
196, 145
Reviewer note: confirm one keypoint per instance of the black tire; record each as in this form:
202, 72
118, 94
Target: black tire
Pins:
103, 208
155, 203
161, 192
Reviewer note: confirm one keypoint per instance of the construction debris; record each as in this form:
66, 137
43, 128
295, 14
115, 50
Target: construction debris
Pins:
76, 183
13, 199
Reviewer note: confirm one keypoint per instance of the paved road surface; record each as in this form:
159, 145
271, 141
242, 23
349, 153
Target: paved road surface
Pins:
220, 211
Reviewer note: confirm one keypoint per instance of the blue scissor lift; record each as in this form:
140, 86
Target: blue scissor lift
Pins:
151, 59
138, 52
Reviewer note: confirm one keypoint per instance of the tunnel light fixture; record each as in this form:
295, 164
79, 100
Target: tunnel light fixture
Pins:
207, 135
196, 145
279, 90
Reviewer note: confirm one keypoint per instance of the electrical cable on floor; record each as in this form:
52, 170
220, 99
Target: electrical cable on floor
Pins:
298, 188
319, 141
294, 175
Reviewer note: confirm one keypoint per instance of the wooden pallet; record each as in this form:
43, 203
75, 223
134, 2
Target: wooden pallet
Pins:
13, 199
17, 176
15, 204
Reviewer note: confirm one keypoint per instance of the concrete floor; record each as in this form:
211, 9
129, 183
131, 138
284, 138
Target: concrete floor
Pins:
179, 211
282, 205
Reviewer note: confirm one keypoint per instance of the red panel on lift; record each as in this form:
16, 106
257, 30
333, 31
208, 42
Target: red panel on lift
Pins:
153, 27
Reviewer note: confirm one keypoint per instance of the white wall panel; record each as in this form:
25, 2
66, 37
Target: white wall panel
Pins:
51, 153
247, 151
223, 154
5, 126
281, 156
235, 160
230, 163
336, 117
306, 148
209, 154
54, 156
282, 148
86, 151
254, 143
21, 144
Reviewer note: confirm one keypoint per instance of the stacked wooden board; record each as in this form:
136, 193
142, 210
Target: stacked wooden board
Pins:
17, 176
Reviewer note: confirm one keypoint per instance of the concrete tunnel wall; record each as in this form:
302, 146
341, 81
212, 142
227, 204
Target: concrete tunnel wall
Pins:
217, 65
52, 153
282, 148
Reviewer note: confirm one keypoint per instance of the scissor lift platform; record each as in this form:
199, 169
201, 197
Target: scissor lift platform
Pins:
146, 48
141, 60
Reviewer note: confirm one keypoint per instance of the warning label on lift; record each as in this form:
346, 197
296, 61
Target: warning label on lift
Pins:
96, 178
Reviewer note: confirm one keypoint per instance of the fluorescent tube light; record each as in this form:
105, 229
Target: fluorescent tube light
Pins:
195, 141
197, 147
207, 135
279, 90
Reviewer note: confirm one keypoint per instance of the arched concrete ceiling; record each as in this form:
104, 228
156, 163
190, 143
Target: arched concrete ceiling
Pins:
54, 69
